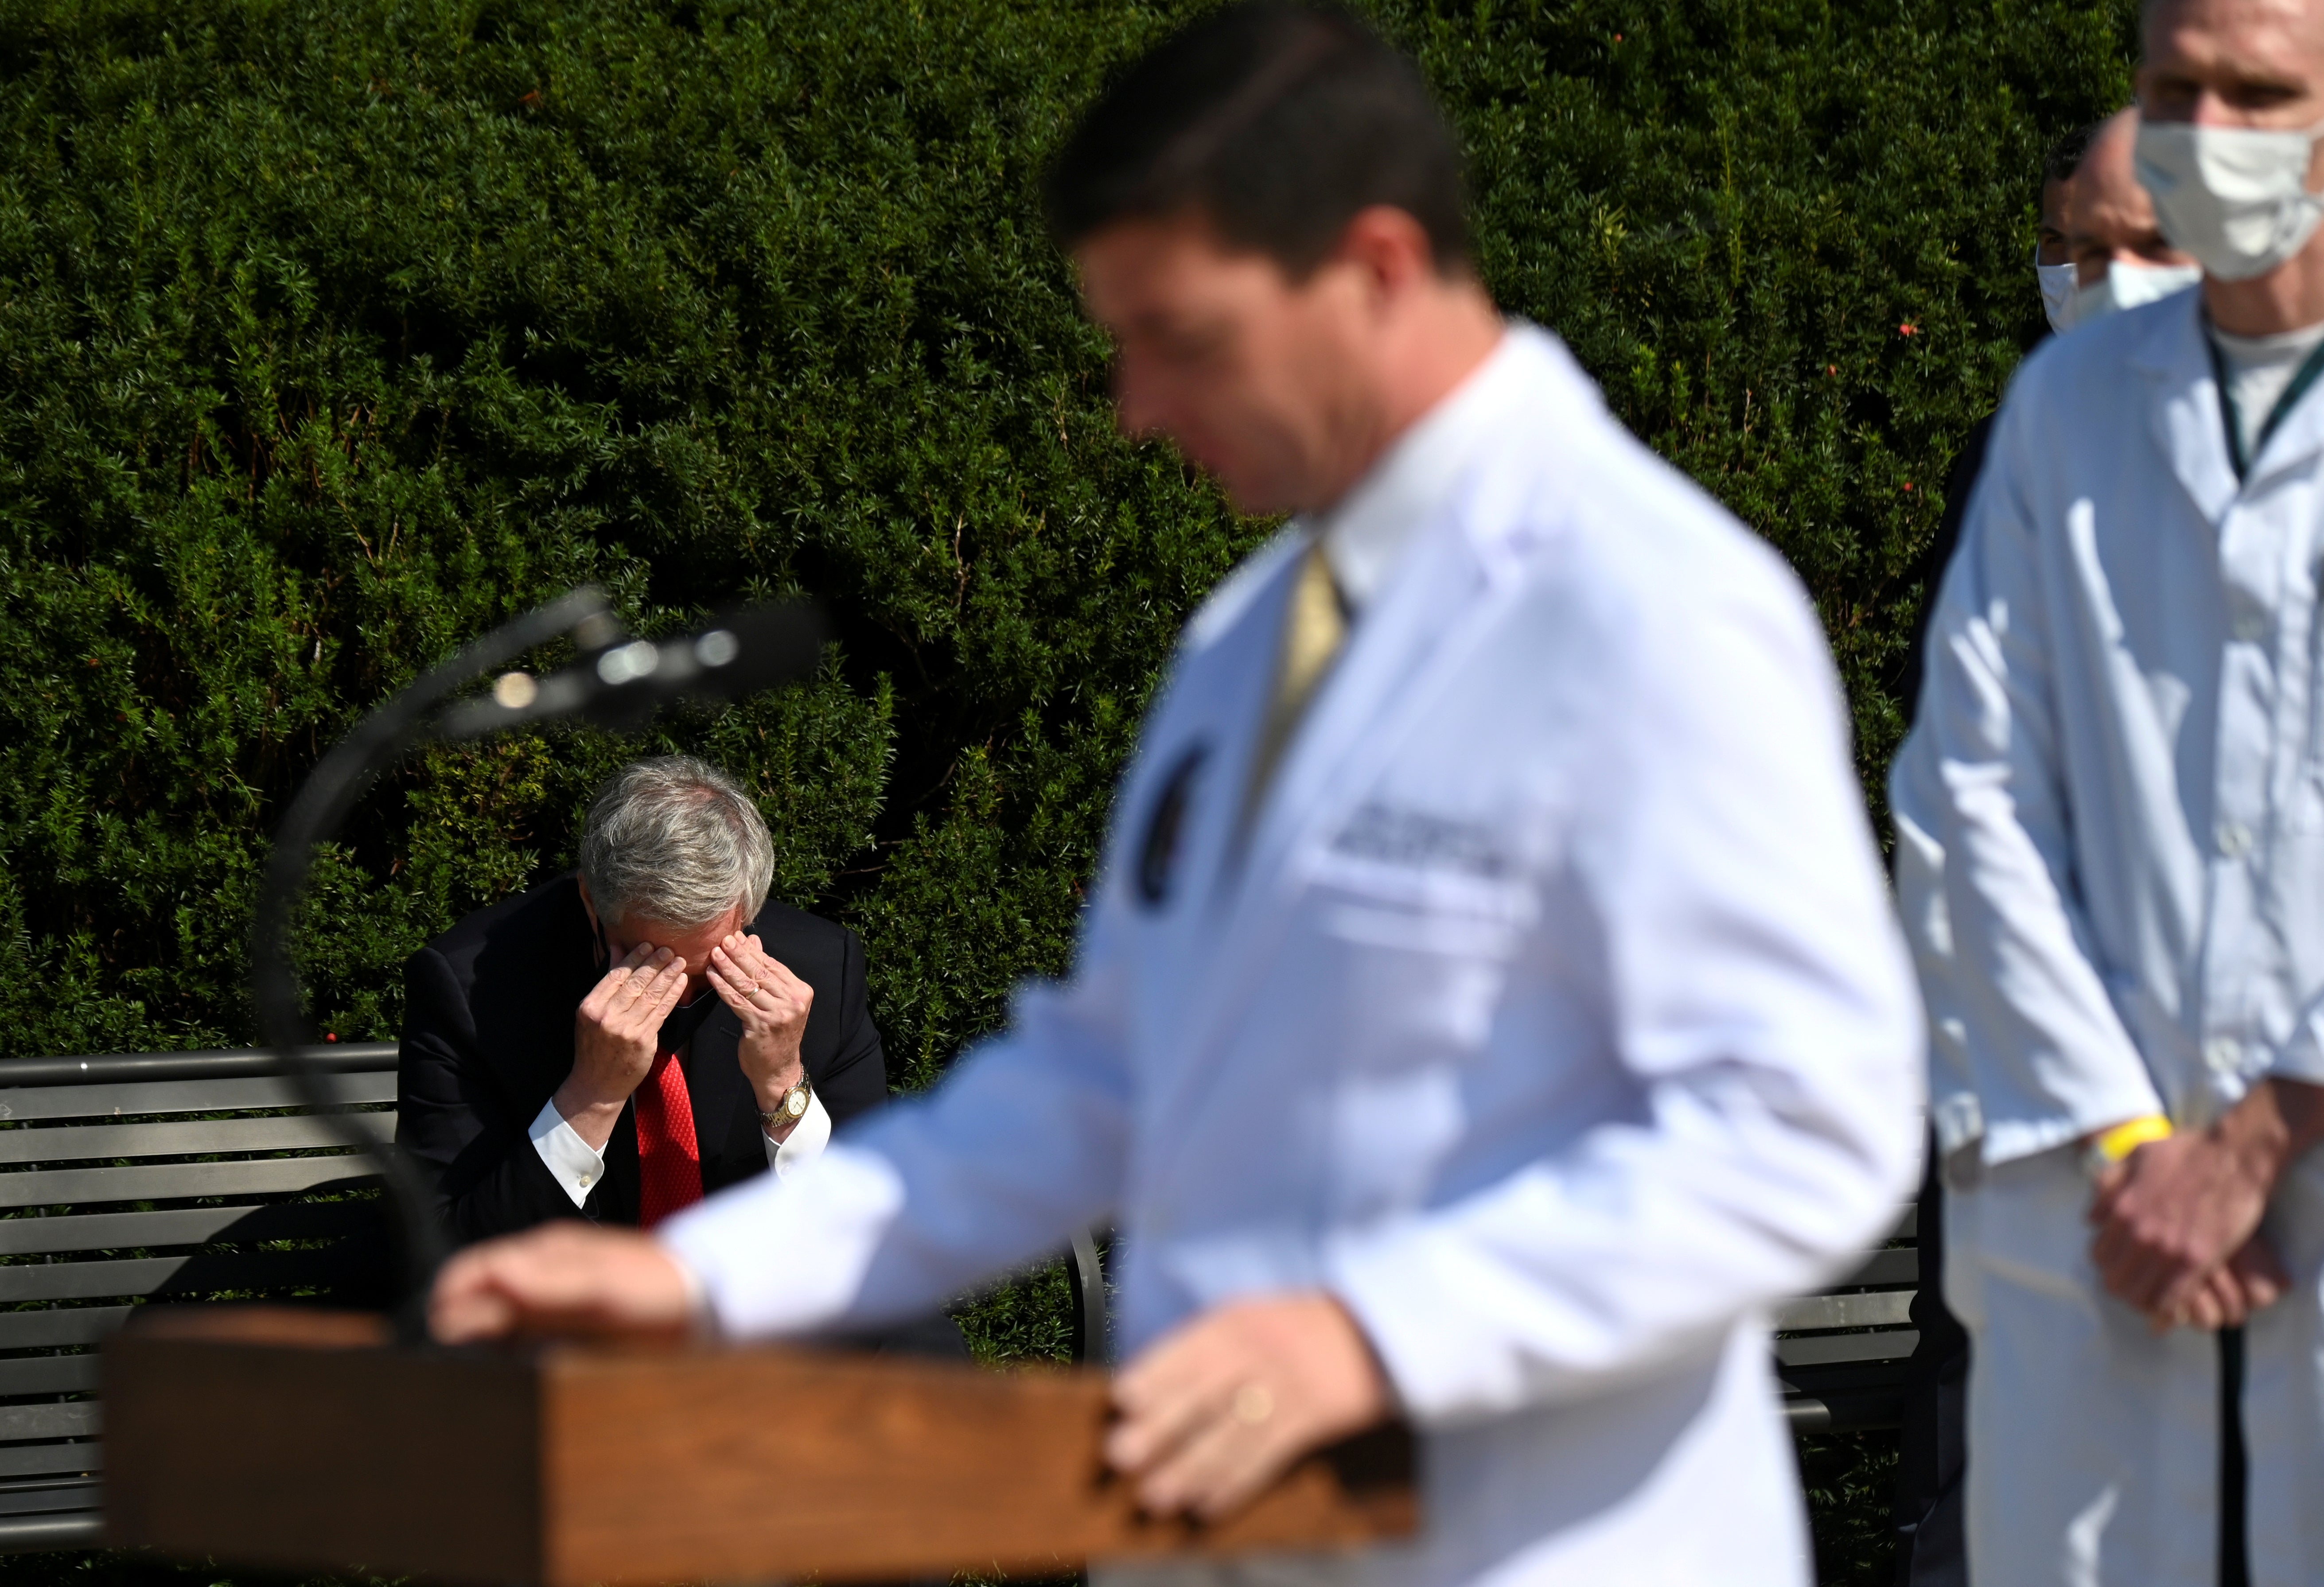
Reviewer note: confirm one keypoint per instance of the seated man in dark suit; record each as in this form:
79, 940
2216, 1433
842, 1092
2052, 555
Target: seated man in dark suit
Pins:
616, 1043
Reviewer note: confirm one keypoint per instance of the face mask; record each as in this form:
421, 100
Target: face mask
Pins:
2126, 286
2235, 197
2057, 292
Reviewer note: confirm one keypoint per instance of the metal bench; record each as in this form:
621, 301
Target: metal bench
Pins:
153, 1177
141, 1178
1842, 1356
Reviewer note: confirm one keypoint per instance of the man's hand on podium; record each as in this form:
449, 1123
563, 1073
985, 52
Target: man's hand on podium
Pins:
1219, 1407
1211, 1413
563, 1280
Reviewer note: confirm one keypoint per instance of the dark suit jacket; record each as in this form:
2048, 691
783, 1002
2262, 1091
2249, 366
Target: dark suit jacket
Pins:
488, 1036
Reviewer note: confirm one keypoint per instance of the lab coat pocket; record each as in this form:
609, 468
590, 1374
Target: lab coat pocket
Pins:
1423, 959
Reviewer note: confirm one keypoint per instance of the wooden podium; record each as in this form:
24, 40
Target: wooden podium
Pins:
304, 1440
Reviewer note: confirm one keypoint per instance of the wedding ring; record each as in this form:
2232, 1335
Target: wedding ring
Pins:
1253, 1404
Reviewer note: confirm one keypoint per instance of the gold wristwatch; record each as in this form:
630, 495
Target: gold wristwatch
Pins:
790, 1108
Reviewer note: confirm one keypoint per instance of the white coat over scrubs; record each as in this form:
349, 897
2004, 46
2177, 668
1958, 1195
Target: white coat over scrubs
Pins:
1554, 1016
2111, 857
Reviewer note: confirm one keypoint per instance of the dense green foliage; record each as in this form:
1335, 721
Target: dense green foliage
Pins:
330, 334
333, 333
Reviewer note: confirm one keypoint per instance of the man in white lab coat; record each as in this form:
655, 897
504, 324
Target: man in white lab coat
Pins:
1489, 1006
2111, 855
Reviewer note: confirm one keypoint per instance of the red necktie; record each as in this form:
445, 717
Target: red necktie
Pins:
669, 1162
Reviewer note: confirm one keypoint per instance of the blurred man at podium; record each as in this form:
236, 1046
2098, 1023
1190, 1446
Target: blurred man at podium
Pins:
617, 1043
1489, 1006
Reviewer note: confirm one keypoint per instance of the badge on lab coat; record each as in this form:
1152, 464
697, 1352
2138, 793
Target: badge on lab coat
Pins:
1157, 853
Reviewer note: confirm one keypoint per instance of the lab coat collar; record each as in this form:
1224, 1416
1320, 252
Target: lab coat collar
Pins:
1425, 619
1366, 533
2172, 351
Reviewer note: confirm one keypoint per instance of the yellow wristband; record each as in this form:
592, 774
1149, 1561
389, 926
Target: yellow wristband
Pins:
2114, 1145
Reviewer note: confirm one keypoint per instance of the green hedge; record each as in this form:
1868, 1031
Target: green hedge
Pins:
334, 333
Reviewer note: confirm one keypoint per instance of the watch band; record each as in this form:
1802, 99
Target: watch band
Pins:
790, 1108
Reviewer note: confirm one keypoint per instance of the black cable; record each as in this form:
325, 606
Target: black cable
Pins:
330, 792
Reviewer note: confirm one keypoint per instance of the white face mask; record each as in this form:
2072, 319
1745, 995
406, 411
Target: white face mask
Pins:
2235, 197
2126, 286
2057, 292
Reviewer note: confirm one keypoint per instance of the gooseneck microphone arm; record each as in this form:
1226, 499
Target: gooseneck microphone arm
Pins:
617, 684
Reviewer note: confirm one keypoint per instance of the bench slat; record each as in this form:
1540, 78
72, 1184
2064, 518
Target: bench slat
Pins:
49, 1374
50, 1187
1883, 1267
310, 1220
183, 1138
1887, 1309
49, 1460
80, 1419
51, 1498
129, 1098
1829, 1349
200, 1273
48, 1534
62, 1326
211, 1063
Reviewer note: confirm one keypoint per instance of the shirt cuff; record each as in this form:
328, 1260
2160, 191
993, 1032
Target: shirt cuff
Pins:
807, 1142
567, 1158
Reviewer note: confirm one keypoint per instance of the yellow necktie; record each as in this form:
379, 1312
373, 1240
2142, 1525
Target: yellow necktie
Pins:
1314, 627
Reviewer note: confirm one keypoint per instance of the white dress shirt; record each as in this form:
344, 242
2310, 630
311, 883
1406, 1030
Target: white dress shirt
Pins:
578, 1166
1364, 536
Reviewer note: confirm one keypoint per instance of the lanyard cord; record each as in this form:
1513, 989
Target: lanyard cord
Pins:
2310, 368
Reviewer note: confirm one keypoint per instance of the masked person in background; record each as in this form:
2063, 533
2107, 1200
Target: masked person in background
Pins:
2110, 853
2120, 256
2054, 251
1488, 1006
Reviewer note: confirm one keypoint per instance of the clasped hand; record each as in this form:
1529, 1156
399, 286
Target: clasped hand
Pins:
2178, 1221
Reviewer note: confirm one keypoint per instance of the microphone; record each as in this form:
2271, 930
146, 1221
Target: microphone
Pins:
621, 683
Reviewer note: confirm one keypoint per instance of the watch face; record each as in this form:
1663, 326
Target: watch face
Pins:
795, 1102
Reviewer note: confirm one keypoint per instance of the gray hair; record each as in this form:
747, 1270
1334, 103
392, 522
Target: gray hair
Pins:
675, 840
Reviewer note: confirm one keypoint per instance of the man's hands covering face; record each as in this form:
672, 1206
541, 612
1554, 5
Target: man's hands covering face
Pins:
1218, 1409
614, 1033
772, 1004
